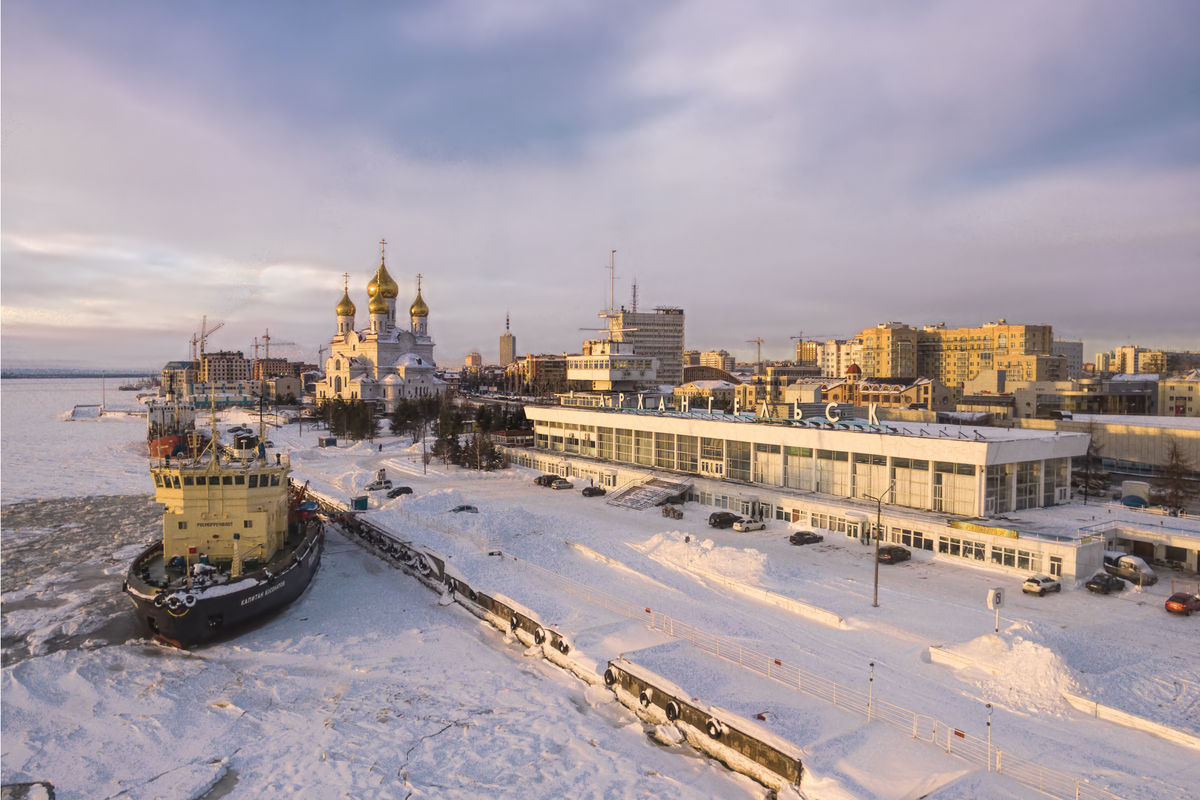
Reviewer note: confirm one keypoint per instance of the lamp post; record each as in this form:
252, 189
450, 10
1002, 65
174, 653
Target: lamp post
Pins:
878, 530
989, 733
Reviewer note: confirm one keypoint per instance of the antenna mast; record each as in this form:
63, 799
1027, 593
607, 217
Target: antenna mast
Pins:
611, 278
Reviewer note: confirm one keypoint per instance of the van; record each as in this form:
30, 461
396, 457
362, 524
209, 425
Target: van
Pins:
1131, 568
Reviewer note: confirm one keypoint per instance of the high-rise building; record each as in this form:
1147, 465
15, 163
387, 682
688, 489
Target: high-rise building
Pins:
808, 353
657, 334
508, 345
1073, 352
224, 366
889, 350
718, 359
955, 355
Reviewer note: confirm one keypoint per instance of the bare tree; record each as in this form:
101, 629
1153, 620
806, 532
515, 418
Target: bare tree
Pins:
1175, 475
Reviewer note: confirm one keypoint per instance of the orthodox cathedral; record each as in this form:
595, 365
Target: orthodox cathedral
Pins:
381, 363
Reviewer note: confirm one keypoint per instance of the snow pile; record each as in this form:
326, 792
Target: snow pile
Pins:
670, 548
1019, 674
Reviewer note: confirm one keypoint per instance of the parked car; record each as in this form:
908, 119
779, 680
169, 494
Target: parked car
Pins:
749, 525
1183, 603
1040, 584
399, 490
893, 553
375, 486
593, 491
468, 509
1103, 583
805, 537
545, 480
1131, 568
722, 519
562, 483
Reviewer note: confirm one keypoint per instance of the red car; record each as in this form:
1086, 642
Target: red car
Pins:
1183, 603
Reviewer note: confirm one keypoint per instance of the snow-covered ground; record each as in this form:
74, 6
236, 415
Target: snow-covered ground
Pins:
369, 686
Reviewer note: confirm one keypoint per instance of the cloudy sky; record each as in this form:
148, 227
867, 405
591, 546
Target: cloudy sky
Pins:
774, 168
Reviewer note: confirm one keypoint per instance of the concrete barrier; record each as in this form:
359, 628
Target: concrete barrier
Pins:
1120, 717
740, 744
940, 655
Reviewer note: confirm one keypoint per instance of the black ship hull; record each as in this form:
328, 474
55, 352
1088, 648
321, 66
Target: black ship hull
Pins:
187, 617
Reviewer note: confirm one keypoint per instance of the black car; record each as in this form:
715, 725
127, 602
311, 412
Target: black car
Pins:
1103, 583
722, 519
399, 490
892, 553
593, 491
805, 537
468, 509
545, 480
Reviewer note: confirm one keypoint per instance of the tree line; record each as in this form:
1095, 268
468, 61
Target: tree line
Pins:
440, 417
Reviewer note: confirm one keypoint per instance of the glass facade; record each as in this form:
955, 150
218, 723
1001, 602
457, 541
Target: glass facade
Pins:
941, 486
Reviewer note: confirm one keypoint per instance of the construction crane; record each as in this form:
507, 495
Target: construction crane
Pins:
758, 363
267, 344
202, 337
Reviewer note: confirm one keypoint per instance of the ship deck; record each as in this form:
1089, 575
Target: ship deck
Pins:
154, 570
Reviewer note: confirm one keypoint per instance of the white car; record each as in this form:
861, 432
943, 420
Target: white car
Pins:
1040, 585
749, 525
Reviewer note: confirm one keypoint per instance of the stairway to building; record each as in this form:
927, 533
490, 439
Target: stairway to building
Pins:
651, 492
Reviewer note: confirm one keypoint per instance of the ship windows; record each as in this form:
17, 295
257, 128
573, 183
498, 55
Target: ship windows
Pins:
175, 481
187, 480
239, 480
182, 525
227, 480
274, 480
254, 481
247, 523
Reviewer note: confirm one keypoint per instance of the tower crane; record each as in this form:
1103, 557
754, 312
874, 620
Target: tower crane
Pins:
267, 344
202, 337
757, 364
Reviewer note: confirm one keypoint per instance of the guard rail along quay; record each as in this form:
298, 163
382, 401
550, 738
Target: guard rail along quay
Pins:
744, 749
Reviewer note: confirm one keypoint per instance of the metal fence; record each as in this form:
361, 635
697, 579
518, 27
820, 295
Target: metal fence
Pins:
955, 741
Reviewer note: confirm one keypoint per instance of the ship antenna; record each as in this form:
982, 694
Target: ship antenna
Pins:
212, 413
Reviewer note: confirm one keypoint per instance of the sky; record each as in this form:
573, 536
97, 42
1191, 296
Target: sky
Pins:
776, 169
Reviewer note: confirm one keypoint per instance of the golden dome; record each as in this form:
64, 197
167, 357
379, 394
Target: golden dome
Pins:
345, 308
378, 305
418, 308
387, 287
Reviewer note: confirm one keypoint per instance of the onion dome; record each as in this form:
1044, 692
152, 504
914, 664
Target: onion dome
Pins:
387, 287
418, 308
378, 305
345, 308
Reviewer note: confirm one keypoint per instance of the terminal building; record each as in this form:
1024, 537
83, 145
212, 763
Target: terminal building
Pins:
981, 494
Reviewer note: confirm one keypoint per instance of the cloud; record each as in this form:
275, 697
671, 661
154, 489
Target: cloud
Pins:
783, 168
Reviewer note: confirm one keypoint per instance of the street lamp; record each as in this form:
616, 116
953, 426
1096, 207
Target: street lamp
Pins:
878, 530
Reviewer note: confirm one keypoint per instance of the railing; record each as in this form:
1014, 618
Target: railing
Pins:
922, 727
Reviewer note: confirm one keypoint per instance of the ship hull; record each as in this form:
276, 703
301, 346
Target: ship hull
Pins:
187, 618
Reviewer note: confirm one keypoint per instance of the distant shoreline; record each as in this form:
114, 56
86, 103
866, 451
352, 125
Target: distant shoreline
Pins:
68, 373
